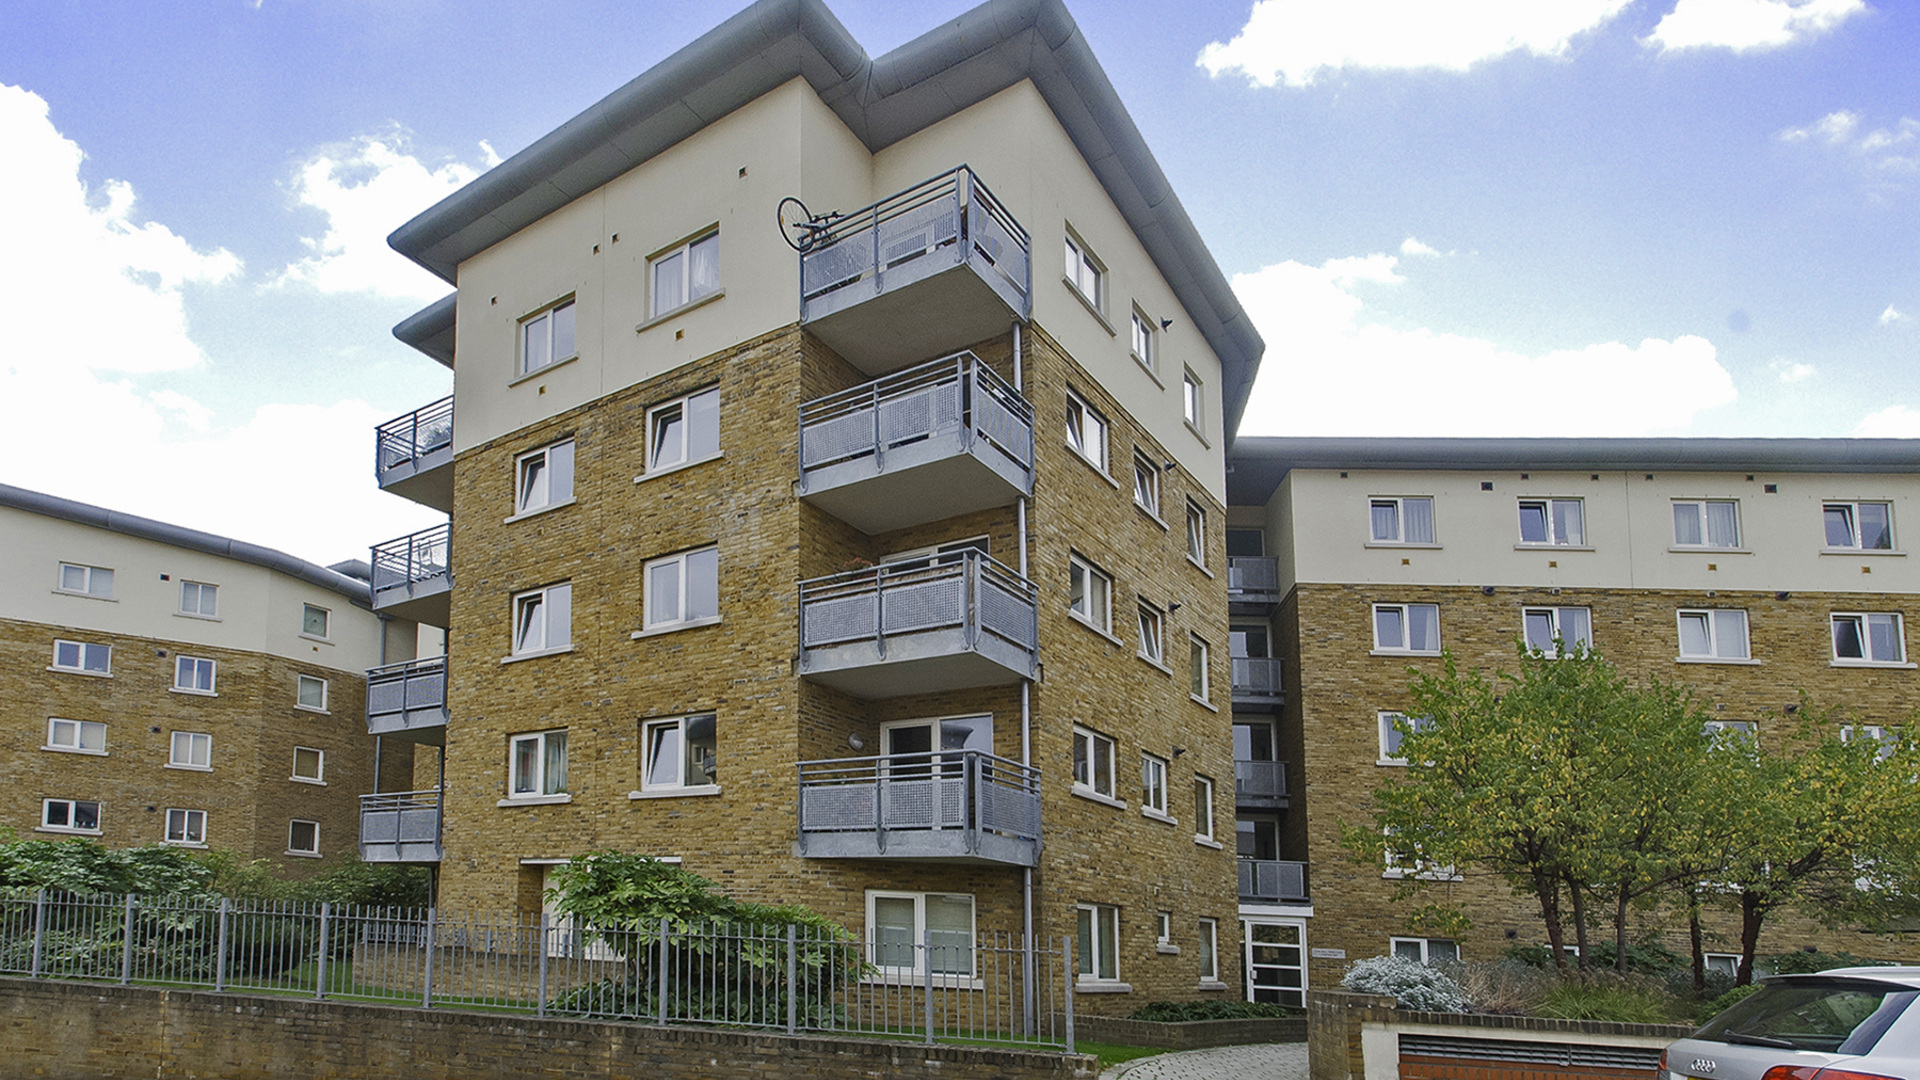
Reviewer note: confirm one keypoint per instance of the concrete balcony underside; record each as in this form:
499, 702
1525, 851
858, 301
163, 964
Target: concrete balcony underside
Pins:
936, 304
400, 827
409, 701
941, 477
929, 662
969, 808
1272, 881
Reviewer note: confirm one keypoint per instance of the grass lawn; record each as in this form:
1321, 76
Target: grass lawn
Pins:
1112, 1054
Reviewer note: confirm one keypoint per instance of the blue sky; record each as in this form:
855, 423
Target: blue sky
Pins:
1462, 217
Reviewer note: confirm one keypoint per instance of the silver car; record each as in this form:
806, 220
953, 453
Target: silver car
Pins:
1847, 1024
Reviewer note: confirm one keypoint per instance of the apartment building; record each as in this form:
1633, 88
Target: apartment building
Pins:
869, 557
164, 685
1750, 569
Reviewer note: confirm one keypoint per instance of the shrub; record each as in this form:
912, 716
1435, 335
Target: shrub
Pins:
1174, 1012
1606, 997
1506, 987
1412, 984
1808, 961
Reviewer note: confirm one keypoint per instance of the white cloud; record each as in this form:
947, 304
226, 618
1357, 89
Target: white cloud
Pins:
1892, 422
1835, 127
1749, 24
1412, 246
1330, 370
1893, 315
367, 188
1880, 155
1792, 371
1295, 41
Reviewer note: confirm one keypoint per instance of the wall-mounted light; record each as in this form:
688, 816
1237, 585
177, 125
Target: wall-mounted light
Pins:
1169, 466
1173, 607
854, 740
1178, 750
1164, 323
1783, 596
1486, 590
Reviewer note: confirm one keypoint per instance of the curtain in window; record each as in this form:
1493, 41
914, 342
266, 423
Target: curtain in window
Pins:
1722, 526
893, 931
950, 930
705, 271
1386, 521
1567, 526
1876, 527
556, 763
1423, 627
1883, 633
1419, 520
1686, 524
1694, 639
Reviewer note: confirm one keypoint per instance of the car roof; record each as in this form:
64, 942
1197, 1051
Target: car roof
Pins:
1908, 976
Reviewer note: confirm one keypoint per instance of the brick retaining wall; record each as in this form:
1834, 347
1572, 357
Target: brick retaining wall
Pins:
1190, 1034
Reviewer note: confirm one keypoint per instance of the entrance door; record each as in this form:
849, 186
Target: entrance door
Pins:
566, 938
924, 776
1274, 961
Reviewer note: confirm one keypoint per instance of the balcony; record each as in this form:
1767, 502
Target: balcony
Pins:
400, 827
413, 576
413, 455
966, 807
409, 700
932, 269
1269, 881
933, 441
1256, 684
887, 631
1253, 585
1260, 785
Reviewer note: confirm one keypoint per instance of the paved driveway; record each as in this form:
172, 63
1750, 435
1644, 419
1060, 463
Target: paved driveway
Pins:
1267, 1061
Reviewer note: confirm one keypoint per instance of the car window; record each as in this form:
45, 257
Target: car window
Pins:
1834, 1016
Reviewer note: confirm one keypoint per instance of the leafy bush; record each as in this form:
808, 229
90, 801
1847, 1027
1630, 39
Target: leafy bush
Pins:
1609, 997
1412, 984
1808, 961
1506, 987
1644, 956
1175, 1012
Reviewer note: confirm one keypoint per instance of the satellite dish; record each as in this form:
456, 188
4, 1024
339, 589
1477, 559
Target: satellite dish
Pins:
798, 226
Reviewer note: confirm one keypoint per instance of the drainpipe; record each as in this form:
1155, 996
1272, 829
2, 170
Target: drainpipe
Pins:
1026, 719
384, 627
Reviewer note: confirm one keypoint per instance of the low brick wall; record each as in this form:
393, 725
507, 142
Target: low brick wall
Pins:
89, 1031
1189, 1034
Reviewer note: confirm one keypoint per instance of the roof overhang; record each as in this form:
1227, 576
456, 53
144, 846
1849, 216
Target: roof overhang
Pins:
431, 329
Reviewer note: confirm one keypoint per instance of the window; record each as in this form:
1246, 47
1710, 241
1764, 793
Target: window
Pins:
1153, 784
683, 589
1191, 399
1089, 594
70, 815
1548, 629
1086, 431
684, 431
1394, 728
1143, 340
86, 580
1885, 737
1146, 484
1163, 928
1872, 638
197, 598
1402, 520
1099, 943
191, 750
1402, 862
312, 693
78, 736
901, 926
1729, 733
539, 764
681, 753
1085, 273
1864, 525
547, 337
1196, 533
1427, 950
1727, 964
303, 837
1152, 643
687, 273
1552, 521
1244, 543
1713, 523
1092, 763
543, 478
309, 765
1202, 808
1209, 948
1406, 628
1713, 635
83, 656
193, 675
314, 620
543, 620
1197, 674
187, 827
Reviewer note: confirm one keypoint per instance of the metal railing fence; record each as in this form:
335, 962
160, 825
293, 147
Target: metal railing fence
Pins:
412, 559
962, 790
954, 393
969, 590
411, 437
792, 978
953, 208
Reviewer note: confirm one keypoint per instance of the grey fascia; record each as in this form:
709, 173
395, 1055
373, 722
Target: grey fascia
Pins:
430, 329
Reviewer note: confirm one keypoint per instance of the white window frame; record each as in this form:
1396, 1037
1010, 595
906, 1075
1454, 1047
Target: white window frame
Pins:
294, 849
540, 782
1426, 947
681, 565
185, 834
1854, 525
1390, 737
918, 970
72, 814
326, 622
82, 651
1722, 732
191, 750
1699, 507
1199, 669
536, 637
683, 782
550, 486
1153, 786
204, 597
78, 733
1146, 484
1196, 534
684, 251
1863, 622
1398, 865
181, 663
1207, 946
1163, 930
1144, 347
1193, 401
301, 682
1399, 504
1547, 505
320, 766
1095, 604
1086, 768
1085, 272
1710, 619
1101, 945
1087, 432
1153, 634
681, 454
1556, 619
95, 581
1203, 808
1402, 648
539, 326
1883, 734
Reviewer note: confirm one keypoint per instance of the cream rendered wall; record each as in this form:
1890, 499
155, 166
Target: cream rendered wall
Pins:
259, 609
1025, 157
1629, 524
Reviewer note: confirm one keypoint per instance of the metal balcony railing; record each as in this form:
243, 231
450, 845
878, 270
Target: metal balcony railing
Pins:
959, 805
413, 567
401, 826
407, 439
1253, 581
1256, 680
1273, 881
1259, 782
409, 700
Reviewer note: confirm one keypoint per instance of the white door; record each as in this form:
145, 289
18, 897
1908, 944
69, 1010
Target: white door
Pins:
1274, 961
